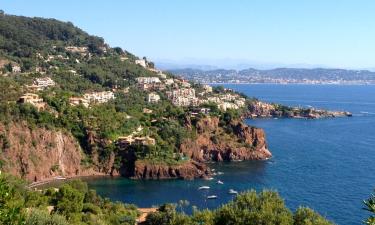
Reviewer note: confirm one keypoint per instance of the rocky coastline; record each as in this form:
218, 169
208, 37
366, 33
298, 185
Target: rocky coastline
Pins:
258, 109
38, 154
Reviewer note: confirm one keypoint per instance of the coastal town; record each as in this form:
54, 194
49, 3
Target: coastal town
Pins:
279, 76
177, 90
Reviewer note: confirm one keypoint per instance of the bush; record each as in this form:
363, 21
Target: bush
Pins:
40, 217
306, 216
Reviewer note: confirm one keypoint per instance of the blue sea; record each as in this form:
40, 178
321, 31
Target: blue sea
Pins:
325, 164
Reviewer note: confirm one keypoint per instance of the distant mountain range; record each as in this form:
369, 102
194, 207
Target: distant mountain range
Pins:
279, 75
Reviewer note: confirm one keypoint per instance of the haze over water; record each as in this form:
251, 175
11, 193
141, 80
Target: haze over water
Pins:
325, 164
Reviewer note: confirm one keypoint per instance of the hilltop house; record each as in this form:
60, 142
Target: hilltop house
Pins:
141, 62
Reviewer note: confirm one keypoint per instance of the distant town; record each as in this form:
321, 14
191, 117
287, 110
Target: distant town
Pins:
279, 76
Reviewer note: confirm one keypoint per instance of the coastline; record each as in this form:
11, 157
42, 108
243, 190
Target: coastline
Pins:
307, 84
35, 185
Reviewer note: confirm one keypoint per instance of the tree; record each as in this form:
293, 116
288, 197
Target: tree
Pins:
306, 216
11, 204
370, 206
69, 201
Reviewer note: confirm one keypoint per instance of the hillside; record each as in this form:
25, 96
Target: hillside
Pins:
71, 105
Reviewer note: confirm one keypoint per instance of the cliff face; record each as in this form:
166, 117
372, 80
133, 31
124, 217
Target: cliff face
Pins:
214, 143
37, 154
187, 170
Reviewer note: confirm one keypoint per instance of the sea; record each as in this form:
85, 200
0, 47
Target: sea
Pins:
325, 164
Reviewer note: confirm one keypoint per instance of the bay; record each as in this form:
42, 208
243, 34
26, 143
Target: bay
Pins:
326, 164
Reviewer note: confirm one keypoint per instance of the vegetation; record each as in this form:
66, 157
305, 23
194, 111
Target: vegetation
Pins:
247, 208
41, 48
370, 207
72, 203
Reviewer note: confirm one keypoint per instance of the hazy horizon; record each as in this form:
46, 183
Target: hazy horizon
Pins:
266, 34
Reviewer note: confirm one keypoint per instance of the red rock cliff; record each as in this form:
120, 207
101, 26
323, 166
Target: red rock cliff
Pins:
236, 141
187, 170
37, 154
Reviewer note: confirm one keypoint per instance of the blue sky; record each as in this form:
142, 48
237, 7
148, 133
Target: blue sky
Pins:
332, 33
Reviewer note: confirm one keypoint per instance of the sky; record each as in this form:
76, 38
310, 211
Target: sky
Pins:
299, 33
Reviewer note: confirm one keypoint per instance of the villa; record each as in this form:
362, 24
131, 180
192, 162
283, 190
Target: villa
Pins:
153, 98
99, 97
141, 62
32, 99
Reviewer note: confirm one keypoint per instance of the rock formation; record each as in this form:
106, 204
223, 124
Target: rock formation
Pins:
214, 143
38, 153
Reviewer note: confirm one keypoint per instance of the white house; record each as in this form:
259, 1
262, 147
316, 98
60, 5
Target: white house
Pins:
153, 97
141, 62
99, 97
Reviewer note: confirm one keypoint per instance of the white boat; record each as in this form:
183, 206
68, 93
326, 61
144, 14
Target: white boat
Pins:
211, 197
220, 182
232, 192
203, 188
220, 173
210, 178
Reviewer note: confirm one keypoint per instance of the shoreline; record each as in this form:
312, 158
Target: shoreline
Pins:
34, 185
322, 84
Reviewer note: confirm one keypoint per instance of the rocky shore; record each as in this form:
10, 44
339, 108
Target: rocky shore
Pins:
258, 109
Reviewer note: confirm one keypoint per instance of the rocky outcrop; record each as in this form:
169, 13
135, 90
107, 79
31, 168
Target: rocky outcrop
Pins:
234, 141
38, 153
186, 170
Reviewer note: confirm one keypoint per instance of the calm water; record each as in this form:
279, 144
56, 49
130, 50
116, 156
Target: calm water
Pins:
325, 164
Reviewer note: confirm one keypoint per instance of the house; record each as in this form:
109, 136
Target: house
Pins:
76, 101
207, 88
153, 97
32, 99
183, 92
125, 141
227, 105
148, 80
40, 70
168, 81
99, 97
240, 102
76, 49
141, 62
16, 68
42, 83
144, 140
